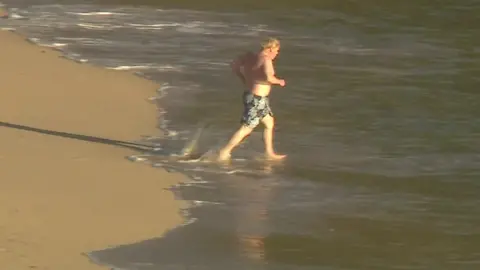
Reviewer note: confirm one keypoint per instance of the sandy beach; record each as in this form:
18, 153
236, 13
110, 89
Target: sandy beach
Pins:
61, 197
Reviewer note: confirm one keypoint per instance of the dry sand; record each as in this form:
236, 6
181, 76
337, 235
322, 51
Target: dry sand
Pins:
61, 197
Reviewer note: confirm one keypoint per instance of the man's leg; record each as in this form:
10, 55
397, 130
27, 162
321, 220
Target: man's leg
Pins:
269, 122
239, 135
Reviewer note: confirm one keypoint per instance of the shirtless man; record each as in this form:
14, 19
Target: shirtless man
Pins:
257, 73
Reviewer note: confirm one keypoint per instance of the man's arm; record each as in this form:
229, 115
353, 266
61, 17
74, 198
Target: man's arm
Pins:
270, 73
237, 65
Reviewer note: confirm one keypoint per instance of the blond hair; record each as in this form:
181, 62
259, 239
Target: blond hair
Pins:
270, 43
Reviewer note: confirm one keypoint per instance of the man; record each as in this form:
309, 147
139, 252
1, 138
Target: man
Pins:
257, 73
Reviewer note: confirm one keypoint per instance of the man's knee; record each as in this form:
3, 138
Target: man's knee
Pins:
245, 129
268, 121
245, 132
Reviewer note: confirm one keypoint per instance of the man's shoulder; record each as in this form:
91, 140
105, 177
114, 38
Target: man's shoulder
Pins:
260, 58
249, 55
251, 58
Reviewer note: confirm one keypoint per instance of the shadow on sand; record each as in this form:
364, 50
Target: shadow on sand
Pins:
125, 144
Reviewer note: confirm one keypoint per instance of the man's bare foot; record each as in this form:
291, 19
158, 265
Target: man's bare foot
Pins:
223, 156
274, 156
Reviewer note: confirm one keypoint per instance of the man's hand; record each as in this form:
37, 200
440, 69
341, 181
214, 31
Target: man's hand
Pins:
270, 73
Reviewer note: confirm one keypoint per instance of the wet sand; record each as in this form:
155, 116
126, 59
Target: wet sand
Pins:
63, 195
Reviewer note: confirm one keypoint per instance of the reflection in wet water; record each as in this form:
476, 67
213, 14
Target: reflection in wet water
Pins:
232, 236
251, 226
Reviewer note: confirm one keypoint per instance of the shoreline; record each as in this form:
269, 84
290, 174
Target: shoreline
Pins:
67, 188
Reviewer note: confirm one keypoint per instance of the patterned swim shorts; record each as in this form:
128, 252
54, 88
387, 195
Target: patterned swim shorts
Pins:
255, 109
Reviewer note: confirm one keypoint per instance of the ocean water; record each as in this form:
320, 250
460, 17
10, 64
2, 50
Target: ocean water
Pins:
379, 118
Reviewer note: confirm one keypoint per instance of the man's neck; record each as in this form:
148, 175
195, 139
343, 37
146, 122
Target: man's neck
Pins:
264, 53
